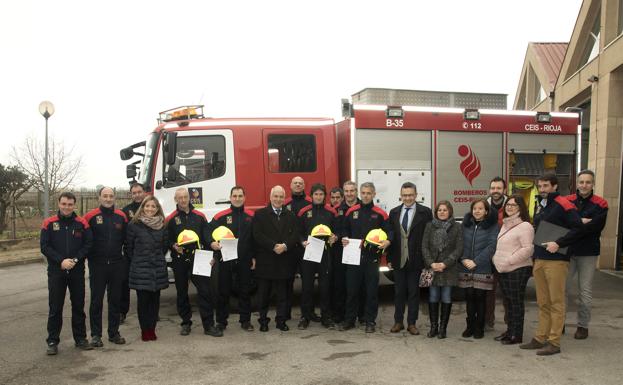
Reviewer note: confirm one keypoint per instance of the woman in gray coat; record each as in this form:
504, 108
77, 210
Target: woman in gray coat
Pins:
145, 247
442, 247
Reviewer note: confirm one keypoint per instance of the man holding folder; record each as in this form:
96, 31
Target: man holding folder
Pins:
551, 263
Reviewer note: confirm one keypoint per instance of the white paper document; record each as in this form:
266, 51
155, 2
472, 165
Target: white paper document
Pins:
351, 254
229, 249
202, 264
314, 249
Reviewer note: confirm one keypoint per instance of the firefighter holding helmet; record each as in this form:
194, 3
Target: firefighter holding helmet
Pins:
369, 223
185, 227
317, 219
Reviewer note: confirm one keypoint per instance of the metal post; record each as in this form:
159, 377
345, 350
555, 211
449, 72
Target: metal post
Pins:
46, 190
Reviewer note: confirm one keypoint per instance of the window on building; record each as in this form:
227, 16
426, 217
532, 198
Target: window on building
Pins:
198, 158
620, 26
291, 153
591, 50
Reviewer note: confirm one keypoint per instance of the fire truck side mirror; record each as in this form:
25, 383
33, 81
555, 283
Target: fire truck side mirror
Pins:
130, 171
170, 147
126, 153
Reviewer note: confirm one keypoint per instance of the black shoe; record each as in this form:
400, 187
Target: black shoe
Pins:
117, 339
185, 330
344, 326
478, 334
122, 318
328, 323
52, 349
247, 326
221, 326
264, 327
315, 318
213, 331
502, 336
84, 345
283, 327
370, 328
303, 324
96, 342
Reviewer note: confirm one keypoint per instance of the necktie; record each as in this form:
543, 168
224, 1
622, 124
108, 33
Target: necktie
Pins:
405, 219
278, 212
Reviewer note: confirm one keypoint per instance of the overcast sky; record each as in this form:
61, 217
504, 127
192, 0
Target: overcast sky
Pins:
110, 67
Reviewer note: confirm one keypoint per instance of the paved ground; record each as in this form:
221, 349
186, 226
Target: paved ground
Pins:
314, 356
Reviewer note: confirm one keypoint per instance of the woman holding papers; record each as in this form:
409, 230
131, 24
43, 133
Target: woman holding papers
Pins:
442, 246
146, 244
513, 261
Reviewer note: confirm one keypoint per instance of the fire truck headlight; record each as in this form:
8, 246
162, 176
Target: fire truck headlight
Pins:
394, 112
543, 117
471, 115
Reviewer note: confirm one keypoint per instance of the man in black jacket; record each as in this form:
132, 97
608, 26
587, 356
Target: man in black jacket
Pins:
317, 213
138, 194
65, 241
408, 222
240, 221
551, 267
275, 231
593, 211
358, 222
185, 217
107, 266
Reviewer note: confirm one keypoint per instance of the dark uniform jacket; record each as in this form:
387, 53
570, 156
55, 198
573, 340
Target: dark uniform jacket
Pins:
145, 248
561, 212
269, 230
360, 219
312, 215
423, 215
240, 221
178, 221
65, 237
131, 209
108, 226
296, 202
596, 208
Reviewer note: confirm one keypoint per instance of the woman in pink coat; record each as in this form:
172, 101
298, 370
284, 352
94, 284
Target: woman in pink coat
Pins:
513, 260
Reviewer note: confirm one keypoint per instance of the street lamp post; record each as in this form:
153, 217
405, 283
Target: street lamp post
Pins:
46, 109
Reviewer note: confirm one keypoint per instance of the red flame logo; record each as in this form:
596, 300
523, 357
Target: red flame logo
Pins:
470, 166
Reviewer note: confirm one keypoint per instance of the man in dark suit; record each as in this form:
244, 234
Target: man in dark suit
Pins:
405, 255
275, 230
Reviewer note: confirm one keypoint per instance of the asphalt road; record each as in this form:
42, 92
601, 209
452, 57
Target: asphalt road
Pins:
314, 356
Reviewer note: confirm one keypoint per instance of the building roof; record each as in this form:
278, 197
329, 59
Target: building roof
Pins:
551, 56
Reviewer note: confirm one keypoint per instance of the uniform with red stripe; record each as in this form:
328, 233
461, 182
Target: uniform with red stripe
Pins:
179, 220
65, 237
297, 202
561, 212
595, 208
360, 219
239, 221
108, 226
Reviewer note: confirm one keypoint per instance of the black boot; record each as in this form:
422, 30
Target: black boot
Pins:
433, 313
479, 325
470, 309
445, 317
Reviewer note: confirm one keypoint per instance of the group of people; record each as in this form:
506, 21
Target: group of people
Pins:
493, 245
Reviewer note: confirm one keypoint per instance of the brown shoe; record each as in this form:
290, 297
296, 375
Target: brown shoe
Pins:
548, 350
532, 345
397, 327
413, 330
581, 333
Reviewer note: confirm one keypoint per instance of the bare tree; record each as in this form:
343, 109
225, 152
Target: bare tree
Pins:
63, 165
13, 183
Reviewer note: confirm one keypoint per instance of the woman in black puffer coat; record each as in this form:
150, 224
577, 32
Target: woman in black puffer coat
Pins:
146, 244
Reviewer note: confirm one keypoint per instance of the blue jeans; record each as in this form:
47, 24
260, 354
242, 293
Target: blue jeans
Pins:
435, 292
584, 269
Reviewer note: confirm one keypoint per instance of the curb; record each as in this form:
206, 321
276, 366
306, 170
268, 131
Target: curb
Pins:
23, 261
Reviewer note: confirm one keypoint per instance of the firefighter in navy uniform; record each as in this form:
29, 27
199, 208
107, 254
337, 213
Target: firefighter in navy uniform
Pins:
107, 266
295, 203
65, 241
360, 222
185, 217
318, 220
138, 194
238, 221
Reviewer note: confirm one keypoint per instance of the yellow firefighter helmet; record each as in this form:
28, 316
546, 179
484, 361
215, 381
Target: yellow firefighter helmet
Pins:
187, 237
321, 231
222, 232
376, 237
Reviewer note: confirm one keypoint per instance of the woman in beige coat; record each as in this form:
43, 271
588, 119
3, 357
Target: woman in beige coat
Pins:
513, 260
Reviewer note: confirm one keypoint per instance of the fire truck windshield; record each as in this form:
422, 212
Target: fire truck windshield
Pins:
147, 168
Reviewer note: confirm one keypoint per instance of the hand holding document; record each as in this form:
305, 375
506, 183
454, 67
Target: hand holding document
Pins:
314, 249
203, 265
351, 254
229, 249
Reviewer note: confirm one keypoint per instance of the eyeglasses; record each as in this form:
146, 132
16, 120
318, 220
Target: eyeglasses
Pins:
512, 205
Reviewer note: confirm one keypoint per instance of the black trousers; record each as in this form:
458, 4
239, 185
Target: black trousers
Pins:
124, 305
182, 271
513, 286
338, 285
147, 307
105, 279
406, 290
476, 304
366, 274
264, 287
58, 282
308, 274
238, 271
